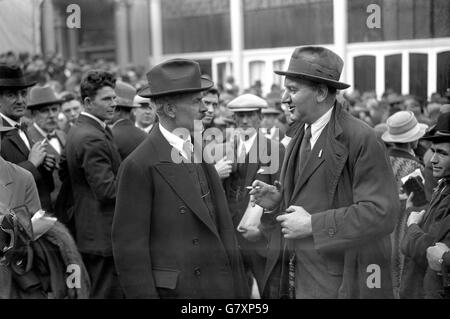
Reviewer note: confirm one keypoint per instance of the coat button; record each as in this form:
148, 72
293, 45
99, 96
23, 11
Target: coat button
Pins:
183, 210
195, 241
331, 232
197, 272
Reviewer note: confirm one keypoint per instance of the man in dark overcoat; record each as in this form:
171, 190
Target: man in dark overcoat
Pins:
173, 236
331, 217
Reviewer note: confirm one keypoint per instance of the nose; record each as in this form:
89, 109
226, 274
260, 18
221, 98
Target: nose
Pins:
434, 158
21, 99
203, 108
285, 98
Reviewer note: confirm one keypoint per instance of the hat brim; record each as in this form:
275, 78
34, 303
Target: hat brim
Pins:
247, 109
204, 85
39, 105
133, 106
408, 137
436, 137
17, 84
335, 84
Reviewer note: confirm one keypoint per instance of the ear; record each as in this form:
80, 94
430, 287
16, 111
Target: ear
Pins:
87, 103
322, 93
170, 110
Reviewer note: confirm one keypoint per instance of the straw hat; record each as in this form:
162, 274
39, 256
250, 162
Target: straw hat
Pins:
403, 127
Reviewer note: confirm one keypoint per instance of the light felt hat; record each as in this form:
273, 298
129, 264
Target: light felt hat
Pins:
247, 103
125, 95
41, 96
403, 127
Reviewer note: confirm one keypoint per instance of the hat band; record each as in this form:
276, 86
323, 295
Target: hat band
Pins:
164, 84
396, 130
301, 66
13, 82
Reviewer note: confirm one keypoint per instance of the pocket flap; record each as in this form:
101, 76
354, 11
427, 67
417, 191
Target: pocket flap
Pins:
165, 277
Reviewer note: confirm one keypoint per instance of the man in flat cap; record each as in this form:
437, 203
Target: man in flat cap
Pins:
331, 217
172, 233
254, 157
126, 135
145, 115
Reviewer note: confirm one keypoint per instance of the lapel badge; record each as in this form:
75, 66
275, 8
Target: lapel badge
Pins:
320, 153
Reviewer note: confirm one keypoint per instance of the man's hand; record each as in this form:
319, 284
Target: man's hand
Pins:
223, 168
434, 254
296, 223
50, 162
415, 218
37, 154
265, 195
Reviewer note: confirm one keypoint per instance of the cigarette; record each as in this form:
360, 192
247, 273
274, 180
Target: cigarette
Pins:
44, 141
251, 187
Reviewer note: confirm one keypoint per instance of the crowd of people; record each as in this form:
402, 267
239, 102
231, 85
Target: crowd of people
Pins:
179, 188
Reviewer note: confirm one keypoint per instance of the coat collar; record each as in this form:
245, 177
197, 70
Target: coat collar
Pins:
177, 176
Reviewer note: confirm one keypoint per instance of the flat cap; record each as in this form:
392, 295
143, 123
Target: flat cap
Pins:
247, 103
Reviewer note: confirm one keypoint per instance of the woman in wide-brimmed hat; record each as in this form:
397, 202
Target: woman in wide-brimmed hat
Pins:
404, 132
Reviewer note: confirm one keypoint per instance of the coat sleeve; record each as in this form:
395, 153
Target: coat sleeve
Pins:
31, 195
97, 165
375, 200
131, 231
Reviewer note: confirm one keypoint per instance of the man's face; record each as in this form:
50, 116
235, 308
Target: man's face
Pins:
145, 115
441, 160
47, 117
72, 110
189, 108
269, 120
103, 104
300, 98
211, 102
413, 106
246, 122
13, 103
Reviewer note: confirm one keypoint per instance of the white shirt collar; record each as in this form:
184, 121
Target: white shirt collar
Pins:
10, 121
318, 126
146, 129
175, 141
247, 144
103, 124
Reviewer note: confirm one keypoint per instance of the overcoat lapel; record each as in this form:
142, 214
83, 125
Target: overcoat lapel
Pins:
6, 184
177, 176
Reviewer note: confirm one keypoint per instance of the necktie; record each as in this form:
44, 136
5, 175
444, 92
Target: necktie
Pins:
51, 135
108, 133
305, 148
22, 126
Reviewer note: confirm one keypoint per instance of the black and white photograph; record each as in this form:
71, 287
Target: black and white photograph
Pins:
224, 154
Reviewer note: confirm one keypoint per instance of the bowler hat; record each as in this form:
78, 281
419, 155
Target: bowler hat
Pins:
173, 77
41, 96
403, 127
440, 133
247, 103
316, 64
125, 95
11, 76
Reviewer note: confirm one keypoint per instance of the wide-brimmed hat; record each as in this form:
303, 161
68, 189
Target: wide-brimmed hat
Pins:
11, 76
403, 127
173, 77
41, 96
247, 103
440, 133
316, 64
125, 94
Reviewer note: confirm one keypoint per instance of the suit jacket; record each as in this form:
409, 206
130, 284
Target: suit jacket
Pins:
348, 187
93, 162
127, 137
165, 243
52, 177
15, 151
17, 187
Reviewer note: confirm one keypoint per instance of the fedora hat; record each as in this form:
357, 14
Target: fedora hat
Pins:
247, 103
440, 133
403, 127
316, 64
175, 76
41, 96
125, 95
11, 76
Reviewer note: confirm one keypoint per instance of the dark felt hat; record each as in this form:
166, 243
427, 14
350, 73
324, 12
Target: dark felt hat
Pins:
316, 64
440, 133
174, 77
11, 76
